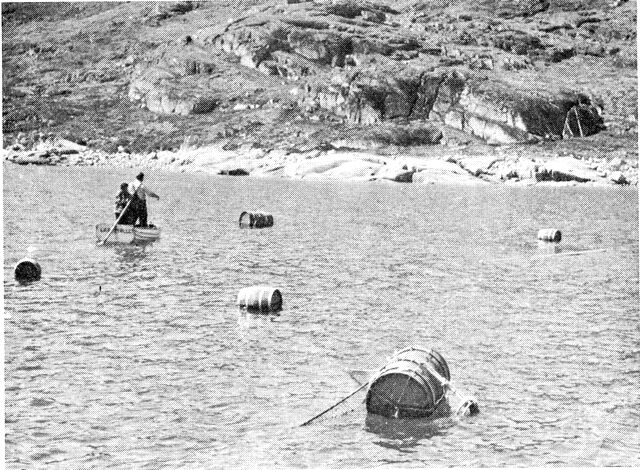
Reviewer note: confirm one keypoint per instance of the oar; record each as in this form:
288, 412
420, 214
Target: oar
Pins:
114, 225
336, 404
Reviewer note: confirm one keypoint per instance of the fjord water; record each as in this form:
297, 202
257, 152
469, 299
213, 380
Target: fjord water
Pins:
137, 357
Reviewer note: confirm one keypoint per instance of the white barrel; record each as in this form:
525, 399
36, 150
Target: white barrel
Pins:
549, 235
263, 298
27, 270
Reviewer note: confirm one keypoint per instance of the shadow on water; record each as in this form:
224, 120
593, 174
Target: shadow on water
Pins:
402, 434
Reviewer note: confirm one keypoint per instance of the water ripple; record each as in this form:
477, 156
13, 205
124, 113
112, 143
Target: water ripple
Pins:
138, 357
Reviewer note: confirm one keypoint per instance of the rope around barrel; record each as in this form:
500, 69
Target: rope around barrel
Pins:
468, 402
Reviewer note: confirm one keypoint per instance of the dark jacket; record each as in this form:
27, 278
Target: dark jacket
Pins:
122, 199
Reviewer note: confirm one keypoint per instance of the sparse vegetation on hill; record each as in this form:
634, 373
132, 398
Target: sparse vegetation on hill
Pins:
286, 74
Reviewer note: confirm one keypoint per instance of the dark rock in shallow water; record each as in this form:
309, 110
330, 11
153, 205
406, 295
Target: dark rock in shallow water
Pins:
234, 172
618, 178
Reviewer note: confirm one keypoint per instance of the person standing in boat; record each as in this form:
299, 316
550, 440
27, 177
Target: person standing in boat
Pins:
139, 193
122, 199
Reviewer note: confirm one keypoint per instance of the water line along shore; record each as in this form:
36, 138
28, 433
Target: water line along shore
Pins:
455, 165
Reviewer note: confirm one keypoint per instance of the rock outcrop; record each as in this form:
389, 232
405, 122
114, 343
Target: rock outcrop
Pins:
566, 169
354, 64
345, 165
296, 76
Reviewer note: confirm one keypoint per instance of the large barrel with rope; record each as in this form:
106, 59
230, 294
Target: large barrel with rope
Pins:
549, 235
407, 387
27, 270
255, 220
262, 298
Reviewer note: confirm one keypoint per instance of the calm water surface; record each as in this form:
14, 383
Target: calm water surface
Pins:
161, 370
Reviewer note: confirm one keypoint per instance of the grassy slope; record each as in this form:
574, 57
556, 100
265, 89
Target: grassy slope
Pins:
66, 70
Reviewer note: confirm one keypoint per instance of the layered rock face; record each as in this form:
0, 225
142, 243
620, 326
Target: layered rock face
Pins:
288, 73
497, 113
351, 59
492, 111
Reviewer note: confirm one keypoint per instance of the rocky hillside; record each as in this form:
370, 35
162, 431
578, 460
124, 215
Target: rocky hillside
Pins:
554, 76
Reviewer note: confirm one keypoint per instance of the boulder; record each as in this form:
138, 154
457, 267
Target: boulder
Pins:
65, 146
33, 158
618, 178
526, 169
519, 8
615, 163
313, 166
440, 171
353, 170
566, 169
164, 92
478, 165
234, 172
395, 172
166, 157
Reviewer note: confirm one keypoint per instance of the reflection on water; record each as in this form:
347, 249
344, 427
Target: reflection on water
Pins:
255, 319
129, 255
403, 434
548, 248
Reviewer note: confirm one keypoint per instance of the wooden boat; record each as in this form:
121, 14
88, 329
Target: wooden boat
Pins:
127, 234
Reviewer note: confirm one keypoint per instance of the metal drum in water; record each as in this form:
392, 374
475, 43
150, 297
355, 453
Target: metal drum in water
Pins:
27, 270
262, 298
255, 220
549, 235
406, 386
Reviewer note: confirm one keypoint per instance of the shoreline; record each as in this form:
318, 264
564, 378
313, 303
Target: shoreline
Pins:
452, 166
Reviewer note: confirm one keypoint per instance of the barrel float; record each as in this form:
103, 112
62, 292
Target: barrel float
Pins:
406, 387
549, 235
262, 298
255, 220
27, 270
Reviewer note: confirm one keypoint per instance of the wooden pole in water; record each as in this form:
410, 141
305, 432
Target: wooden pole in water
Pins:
333, 406
118, 220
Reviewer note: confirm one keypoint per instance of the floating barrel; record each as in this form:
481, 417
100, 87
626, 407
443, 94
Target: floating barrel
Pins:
406, 387
263, 298
549, 235
255, 220
27, 270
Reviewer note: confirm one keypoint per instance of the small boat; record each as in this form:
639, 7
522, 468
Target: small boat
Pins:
128, 233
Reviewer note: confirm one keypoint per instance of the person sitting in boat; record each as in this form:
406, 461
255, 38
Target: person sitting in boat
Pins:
139, 193
122, 199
